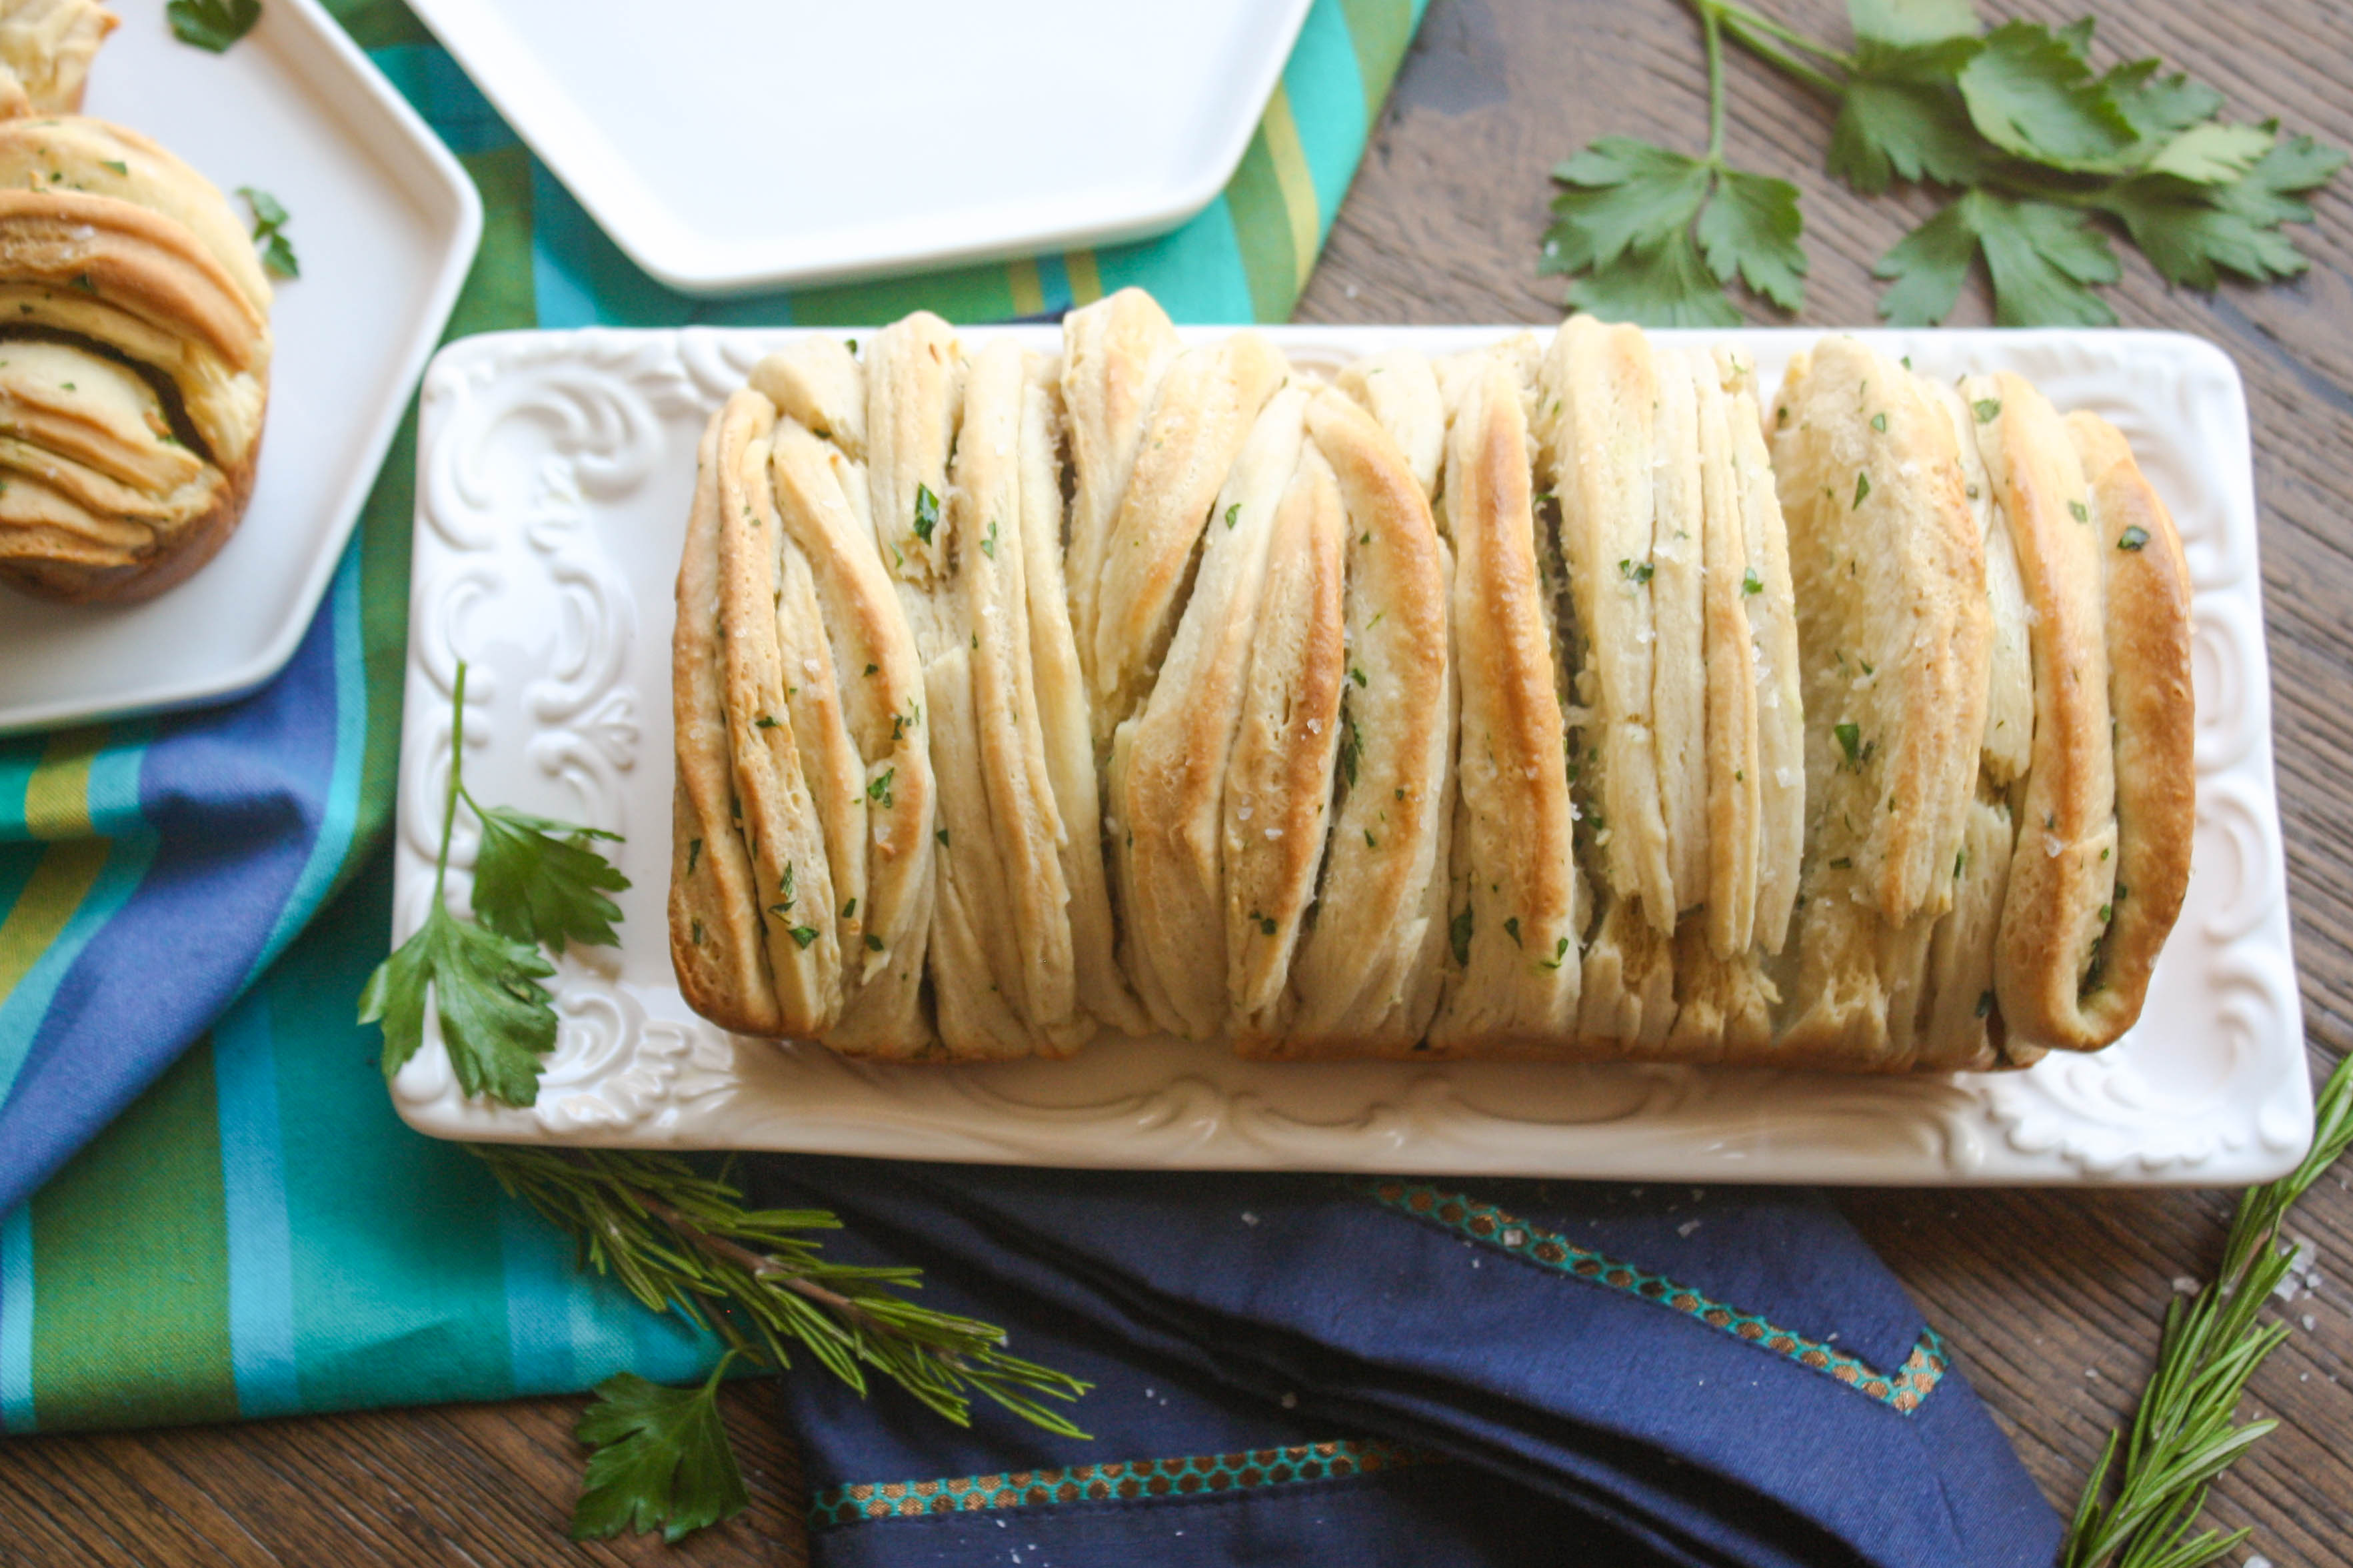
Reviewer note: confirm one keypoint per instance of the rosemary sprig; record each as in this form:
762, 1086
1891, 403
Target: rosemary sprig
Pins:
2185, 1433
681, 1240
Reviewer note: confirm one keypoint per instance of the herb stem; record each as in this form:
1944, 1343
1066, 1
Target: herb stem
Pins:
759, 1265
1711, 28
457, 773
1741, 17
1756, 33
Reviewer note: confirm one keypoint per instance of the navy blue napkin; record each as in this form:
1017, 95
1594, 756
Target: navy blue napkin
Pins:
1311, 1368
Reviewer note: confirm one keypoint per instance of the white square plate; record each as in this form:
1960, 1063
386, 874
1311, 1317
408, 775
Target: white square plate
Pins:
385, 222
727, 145
554, 475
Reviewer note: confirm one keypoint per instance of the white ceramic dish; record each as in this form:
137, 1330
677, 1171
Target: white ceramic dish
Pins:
554, 472
752, 143
385, 222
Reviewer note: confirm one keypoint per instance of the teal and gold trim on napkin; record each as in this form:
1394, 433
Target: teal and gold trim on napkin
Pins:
1124, 1480
1901, 1390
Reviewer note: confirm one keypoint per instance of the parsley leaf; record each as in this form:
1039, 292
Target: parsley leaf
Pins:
1636, 218
2191, 233
2212, 153
1752, 227
1902, 113
1889, 127
538, 880
2159, 106
2041, 258
495, 1019
270, 220
660, 1459
2030, 93
1910, 24
212, 24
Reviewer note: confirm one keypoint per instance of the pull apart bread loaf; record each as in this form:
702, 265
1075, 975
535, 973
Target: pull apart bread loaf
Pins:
134, 341
1554, 699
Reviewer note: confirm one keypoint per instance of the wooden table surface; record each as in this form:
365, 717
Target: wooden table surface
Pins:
2052, 1299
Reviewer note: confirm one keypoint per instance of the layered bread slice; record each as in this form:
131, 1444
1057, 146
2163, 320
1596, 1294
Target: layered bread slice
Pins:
1515, 917
1888, 570
1367, 972
1166, 779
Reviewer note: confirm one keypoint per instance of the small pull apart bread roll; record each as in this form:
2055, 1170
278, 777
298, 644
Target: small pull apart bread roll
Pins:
1548, 701
136, 367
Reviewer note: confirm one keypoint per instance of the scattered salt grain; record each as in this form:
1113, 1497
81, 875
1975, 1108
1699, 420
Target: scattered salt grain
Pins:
2308, 1321
1242, 812
1248, 1218
2184, 1285
1289, 1401
1272, 834
1685, 1228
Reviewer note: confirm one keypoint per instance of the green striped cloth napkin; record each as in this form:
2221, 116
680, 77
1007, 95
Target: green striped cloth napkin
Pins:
257, 1234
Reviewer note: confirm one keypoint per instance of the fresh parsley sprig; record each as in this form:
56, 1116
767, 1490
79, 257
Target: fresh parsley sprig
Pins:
2047, 159
1659, 235
536, 881
682, 1240
2185, 1431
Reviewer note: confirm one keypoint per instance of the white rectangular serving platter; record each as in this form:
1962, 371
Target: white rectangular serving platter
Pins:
385, 222
727, 145
554, 473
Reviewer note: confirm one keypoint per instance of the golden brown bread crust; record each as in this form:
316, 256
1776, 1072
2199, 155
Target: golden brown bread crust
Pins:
2151, 707
1888, 572
1203, 412
1115, 354
159, 563
1366, 974
1067, 732
1167, 772
1599, 400
1519, 896
783, 831
1279, 777
820, 495
715, 942
2062, 872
